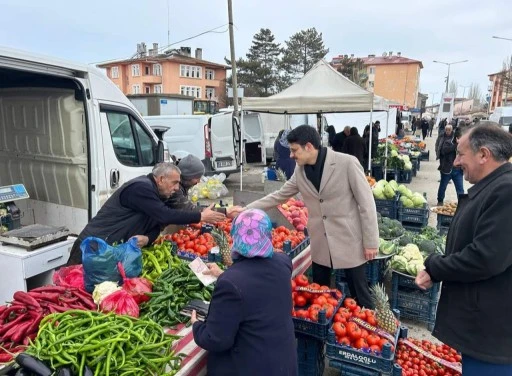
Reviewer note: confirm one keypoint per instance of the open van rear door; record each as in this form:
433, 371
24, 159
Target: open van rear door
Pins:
254, 138
223, 142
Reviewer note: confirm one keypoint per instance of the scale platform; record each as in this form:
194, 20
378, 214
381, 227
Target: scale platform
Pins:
34, 236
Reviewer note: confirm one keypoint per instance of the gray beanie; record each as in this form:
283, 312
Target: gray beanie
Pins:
191, 167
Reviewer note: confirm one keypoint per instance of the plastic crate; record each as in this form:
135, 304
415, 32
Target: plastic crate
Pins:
413, 227
391, 175
347, 369
412, 302
388, 208
318, 330
366, 363
404, 176
292, 252
375, 270
444, 220
425, 155
377, 172
443, 230
413, 215
414, 170
310, 356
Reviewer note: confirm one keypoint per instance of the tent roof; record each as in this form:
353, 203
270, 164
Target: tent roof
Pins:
322, 89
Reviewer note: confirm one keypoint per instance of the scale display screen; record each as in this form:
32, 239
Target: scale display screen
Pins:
5, 190
13, 192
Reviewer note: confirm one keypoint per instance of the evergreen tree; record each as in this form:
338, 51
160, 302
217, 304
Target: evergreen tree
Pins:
353, 69
302, 51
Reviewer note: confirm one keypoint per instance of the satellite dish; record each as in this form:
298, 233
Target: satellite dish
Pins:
384, 54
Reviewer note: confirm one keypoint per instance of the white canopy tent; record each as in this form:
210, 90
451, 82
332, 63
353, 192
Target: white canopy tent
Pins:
322, 90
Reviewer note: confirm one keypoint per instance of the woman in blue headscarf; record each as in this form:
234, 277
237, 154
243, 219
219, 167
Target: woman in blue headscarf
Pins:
282, 154
249, 330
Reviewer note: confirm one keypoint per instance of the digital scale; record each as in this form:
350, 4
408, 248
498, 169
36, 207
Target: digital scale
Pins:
9, 212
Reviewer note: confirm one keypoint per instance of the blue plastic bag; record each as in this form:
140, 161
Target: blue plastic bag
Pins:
100, 261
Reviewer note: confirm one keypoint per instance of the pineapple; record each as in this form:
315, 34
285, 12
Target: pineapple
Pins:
223, 244
385, 318
281, 176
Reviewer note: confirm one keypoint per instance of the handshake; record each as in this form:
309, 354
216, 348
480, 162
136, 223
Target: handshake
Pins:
210, 215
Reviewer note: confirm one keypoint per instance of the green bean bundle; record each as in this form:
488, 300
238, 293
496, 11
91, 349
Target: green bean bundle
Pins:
109, 344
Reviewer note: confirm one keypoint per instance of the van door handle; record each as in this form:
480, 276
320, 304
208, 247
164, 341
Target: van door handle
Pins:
114, 178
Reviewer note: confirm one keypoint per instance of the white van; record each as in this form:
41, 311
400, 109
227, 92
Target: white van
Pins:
502, 116
213, 139
71, 137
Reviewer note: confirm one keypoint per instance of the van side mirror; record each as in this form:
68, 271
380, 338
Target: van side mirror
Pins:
159, 152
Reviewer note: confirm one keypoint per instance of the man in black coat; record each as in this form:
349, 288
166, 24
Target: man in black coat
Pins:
473, 314
339, 139
138, 209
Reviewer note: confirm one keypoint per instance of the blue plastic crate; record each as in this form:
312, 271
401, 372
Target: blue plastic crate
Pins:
388, 208
292, 252
310, 356
354, 360
347, 369
318, 330
374, 272
412, 302
404, 176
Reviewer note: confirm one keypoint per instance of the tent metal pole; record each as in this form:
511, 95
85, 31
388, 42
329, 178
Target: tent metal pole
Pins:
386, 150
242, 134
370, 143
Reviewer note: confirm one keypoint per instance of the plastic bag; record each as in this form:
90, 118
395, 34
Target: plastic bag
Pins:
136, 287
120, 302
70, 276
100, 261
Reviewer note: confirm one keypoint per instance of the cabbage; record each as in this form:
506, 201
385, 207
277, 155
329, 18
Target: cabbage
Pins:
399, 263
418, 200
394, 153
393, 185
407, 166
407, 202
378, 192
387, 247
402, 189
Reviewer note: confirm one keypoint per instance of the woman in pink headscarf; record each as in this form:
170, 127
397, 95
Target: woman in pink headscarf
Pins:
249, 330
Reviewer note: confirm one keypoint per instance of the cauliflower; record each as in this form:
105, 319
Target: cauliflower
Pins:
104, 289
411, 252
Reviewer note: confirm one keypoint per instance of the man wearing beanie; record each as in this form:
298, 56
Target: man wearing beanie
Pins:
192, 169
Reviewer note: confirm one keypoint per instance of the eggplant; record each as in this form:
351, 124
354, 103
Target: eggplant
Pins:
65, 371
34, 365
9, 370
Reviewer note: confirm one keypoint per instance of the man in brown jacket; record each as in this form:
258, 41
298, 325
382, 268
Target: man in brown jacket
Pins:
342, 216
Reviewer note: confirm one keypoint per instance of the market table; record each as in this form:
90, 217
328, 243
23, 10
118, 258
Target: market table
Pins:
194, 364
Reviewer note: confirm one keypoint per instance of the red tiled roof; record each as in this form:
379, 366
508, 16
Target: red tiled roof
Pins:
386, 60
157, 58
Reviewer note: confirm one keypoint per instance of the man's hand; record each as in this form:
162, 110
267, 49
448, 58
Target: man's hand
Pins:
213, 269
233, 211
211, 216
370, 253
423, 280
142, 240
193, 317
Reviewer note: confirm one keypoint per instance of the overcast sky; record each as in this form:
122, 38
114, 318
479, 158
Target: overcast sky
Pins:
445, 30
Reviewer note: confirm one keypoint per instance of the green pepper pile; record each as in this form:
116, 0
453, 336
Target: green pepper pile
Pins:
156, 259
108, 344
172, 291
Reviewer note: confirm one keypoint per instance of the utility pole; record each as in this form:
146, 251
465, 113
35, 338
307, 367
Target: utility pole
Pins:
449, 64
233, 58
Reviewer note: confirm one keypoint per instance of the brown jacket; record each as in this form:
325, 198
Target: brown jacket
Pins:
342, 216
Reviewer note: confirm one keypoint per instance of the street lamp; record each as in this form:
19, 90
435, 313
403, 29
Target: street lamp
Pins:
448, 77
463, 94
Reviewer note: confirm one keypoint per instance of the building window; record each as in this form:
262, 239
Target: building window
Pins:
372, 70
147, 89
210, 92
114, 72
192, 91
371, 84
157, 70
157, 89
209, 74
136, 89
190, 71
147, 71
135, 70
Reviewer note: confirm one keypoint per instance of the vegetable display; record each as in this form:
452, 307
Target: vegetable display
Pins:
389, 228
108, 344
446, 209
171, 292
155, 259
409, 260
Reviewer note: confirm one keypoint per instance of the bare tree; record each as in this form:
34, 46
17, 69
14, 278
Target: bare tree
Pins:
506, 78
452, 87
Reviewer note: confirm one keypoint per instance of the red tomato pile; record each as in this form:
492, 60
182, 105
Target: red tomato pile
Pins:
281, 234
295, 211
192, 241
316, 301
351, 334
414, 363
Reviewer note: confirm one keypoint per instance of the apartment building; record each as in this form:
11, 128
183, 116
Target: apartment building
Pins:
394, 77
169, 72
498, 90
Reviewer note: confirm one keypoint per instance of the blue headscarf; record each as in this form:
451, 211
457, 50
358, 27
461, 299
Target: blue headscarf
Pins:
252, 235
283, 140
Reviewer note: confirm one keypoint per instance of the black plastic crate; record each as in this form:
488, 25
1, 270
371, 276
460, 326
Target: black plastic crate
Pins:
412, 302
292, 252
443, 230
375, 271
425, 155
388, 208
347, 369
444, 220
414, 216
391, 175
310, 356
413, 227
377, 172
404, 176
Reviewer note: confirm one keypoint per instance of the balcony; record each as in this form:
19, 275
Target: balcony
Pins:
151, 79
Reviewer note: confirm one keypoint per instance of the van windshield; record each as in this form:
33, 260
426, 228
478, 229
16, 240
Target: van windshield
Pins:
506, 120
